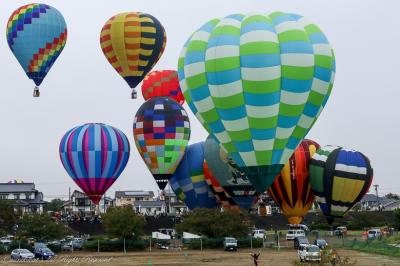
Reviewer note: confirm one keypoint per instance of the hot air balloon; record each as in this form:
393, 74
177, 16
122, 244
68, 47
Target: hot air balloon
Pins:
235, 183
161, 130
257, 83
36, 34
162, 83
94, 155
291, 189
223, 198
339, 178
190, 177
133, 42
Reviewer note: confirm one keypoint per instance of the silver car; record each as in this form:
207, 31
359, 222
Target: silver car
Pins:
22, 254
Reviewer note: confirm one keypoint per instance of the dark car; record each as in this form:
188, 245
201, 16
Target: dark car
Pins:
321, 243
300, 240
44, 253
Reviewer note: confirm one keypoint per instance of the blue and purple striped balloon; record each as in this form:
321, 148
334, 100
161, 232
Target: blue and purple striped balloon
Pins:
94, 155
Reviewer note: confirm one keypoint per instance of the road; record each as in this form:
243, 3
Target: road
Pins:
194, 258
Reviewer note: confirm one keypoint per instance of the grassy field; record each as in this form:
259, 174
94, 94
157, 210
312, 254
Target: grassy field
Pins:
193, 258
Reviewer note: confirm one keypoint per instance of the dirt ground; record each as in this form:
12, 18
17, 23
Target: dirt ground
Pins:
194, 258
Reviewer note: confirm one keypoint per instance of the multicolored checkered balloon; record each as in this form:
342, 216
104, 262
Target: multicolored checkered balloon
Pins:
257, 83
161, 130
36, 34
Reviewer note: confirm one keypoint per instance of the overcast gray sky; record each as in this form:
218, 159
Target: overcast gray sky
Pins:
362, 112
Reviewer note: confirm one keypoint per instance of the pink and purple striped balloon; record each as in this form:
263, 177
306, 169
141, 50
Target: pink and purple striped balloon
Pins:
94, 155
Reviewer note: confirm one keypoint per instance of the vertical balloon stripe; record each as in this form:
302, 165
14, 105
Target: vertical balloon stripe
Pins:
133, 43
94, 155
339, 178
291, 190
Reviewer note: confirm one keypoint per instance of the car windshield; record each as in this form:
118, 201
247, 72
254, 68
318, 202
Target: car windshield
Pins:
291, 232
321, 241
313, 249
24, 251
46, 250
303, 240
372, 232
230, 240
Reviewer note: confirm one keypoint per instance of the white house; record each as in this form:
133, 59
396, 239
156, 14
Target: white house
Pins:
27, 199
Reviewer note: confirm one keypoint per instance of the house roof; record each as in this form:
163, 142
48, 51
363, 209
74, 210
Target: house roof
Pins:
148, 203
134, 193
17, 187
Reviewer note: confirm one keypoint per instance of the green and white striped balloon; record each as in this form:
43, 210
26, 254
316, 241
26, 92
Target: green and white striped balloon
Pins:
257, 83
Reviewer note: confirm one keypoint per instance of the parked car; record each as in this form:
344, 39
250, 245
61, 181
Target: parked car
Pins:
22, 254
300, 240
230, 243
44, 253
292, 234
74, 244
374, 233
298, 227
309, 252
5, 241
321, 243
341, 230
258, 233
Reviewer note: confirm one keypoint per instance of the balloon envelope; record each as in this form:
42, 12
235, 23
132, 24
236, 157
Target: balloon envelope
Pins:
236, 184
161, 130
162, 83
339, 178
223, 198
291, 189
257, 83
190, 177
133, 42
36, 34
94, 155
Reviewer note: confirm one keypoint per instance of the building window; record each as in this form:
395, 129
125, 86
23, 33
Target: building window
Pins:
16, 196
3, 197
28, 196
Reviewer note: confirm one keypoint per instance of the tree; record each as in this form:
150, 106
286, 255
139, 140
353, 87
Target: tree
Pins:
213, 223
8, 218
392, 196
123, 222
54, 205
361, 220
41, 227
397, 218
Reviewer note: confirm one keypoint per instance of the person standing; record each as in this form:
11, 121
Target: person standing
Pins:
255, 257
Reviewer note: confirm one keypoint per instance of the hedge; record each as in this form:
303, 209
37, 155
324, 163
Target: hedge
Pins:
215, 243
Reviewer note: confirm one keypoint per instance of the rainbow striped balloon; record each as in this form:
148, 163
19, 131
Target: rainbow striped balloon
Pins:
94, 155
36, 34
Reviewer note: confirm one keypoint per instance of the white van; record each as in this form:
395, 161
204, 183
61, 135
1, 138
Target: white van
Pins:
258, 233
292, 234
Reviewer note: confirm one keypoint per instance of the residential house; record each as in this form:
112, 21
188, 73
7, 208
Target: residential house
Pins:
150, 207
80, 204
123, 198
27, 199
173, 205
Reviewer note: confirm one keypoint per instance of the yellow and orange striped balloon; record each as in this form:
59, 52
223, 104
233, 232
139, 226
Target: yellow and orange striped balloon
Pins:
133, 42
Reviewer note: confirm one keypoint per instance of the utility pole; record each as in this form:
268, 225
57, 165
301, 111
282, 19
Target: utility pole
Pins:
377, 196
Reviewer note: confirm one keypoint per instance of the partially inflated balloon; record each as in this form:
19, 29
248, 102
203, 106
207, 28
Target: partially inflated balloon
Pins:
190, 177
291, 189
223, 198
162, 83
161, 130
133, 43
36, 34
257, 83
235, 183
339, 178
94, 155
